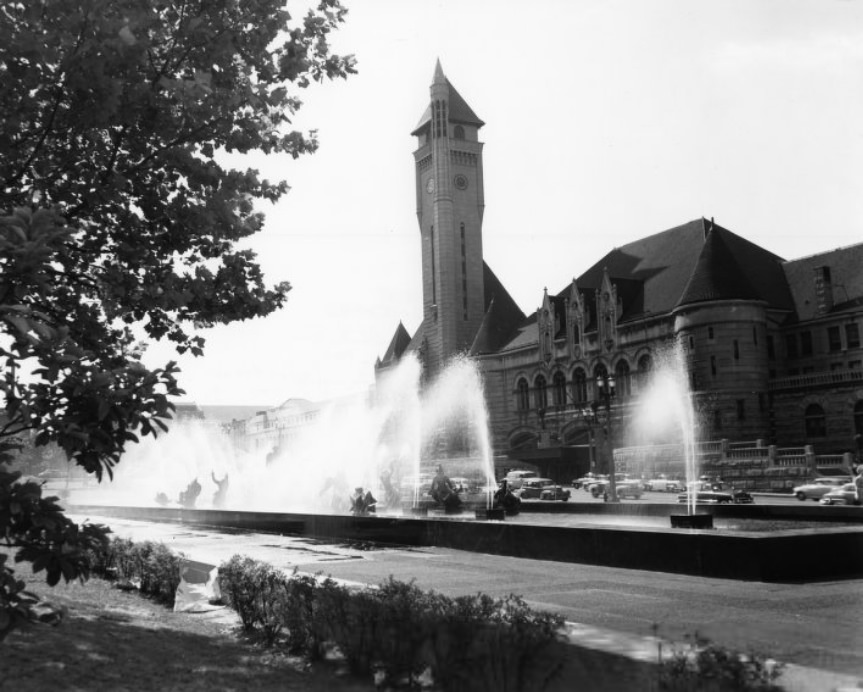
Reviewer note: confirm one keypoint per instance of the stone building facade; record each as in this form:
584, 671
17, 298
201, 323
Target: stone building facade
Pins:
772, 348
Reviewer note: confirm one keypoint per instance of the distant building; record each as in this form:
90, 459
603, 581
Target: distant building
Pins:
772, 347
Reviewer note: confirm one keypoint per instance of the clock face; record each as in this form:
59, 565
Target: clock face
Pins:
430, 185
460, 181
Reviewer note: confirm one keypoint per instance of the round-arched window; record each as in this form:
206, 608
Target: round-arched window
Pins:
621, 375
522, 400
579, 386
815, 422
559, 389
458, 132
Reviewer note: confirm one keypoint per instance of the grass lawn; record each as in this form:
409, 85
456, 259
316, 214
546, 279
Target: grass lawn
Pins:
110, 639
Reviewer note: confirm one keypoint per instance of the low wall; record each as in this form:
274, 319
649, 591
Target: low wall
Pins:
806, 554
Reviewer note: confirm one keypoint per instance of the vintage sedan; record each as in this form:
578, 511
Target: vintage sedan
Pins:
625, 487
843, 495
554, 493
583, 481
705, 496
531, 488
819, 487
515, 478
663, 484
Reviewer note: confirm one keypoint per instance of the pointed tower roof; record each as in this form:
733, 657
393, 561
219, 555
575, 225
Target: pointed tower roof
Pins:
717, 274
397, 347
459, 111
501, 319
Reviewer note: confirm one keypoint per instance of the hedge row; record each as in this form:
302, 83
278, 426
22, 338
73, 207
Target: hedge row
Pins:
150, 567
397, 632
402, 635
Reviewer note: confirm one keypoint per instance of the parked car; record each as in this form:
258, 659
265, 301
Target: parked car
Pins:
554, 492
531, 488
595, 478
704, 496
625, 487
707, 497
819, 487
515, 478
663, 485
584, 480
843, 495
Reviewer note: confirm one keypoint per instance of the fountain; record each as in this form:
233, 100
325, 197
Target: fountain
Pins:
404, 433
667, 401
389, 443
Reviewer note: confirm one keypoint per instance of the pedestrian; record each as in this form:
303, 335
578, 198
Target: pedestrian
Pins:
358, 500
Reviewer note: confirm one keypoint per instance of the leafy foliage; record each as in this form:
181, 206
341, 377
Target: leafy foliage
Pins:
117, 222
704, 666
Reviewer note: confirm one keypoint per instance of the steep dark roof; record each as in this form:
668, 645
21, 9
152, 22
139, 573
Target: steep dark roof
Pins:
716, 276
652, 274
501, 319
846, 273
459, 112
398, 345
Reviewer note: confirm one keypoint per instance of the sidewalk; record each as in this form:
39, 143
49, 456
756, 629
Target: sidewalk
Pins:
816, 629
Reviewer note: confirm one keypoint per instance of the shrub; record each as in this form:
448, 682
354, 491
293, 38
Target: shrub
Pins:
405, 617
238, 588
301, 612
702, 666
496, 645
351, 621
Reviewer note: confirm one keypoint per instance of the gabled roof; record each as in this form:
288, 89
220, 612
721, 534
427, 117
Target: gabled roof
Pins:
716, 276
398, 345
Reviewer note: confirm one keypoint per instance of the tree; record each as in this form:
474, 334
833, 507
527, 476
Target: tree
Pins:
115, 217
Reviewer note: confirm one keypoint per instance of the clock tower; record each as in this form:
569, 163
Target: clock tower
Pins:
450, 203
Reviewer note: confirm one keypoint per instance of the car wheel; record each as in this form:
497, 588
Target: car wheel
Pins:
801, 496
594, 492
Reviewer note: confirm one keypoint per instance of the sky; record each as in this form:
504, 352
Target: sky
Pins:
606, 121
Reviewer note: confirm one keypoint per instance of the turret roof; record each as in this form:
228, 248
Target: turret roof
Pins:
717, 275
459, 111
398, 344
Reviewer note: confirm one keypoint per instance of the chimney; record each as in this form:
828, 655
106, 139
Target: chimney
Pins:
823, 290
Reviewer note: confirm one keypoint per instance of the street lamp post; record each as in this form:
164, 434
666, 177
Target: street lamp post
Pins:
605, 390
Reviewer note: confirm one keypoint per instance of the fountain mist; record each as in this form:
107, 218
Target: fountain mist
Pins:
399, 433
665, 409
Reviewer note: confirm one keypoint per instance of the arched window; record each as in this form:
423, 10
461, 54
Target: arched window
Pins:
579, 386
645, 366
522, 398
816, 425
622, 381
559, 389
458, 132
540, 396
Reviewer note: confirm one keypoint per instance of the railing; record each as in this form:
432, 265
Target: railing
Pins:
748, 453
831, 459
817, 379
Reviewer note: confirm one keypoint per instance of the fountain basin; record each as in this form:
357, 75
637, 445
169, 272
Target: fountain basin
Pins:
757, 556
491, 514
691, 521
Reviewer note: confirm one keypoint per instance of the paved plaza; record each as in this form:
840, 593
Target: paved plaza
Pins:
815, 627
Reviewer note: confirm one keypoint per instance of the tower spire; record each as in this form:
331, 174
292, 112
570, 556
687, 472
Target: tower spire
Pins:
439, 77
